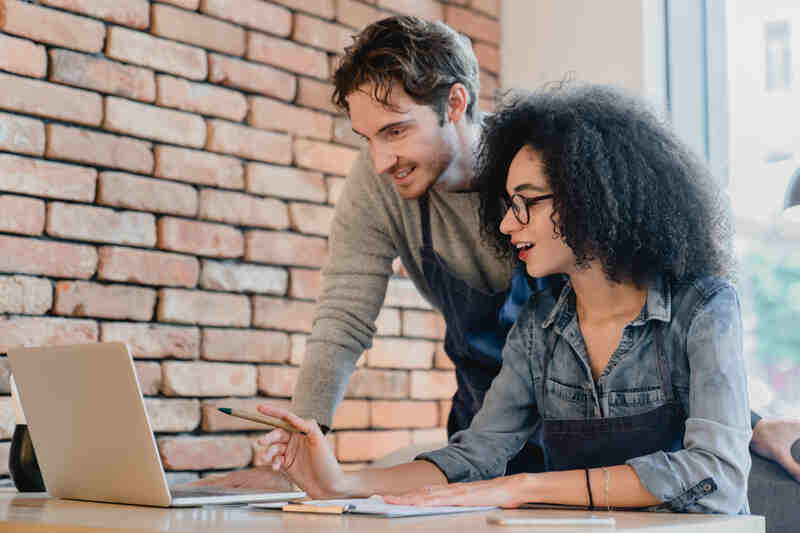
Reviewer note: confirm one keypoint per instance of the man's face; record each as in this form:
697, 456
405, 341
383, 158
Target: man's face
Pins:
406, 142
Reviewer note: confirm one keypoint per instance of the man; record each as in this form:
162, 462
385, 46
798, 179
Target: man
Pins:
411, 89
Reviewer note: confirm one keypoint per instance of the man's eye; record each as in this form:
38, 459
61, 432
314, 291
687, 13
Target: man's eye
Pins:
395, 132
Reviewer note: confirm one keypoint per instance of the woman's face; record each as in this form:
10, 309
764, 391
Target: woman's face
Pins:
536, 243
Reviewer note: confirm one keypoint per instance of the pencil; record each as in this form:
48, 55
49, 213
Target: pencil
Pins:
261, 419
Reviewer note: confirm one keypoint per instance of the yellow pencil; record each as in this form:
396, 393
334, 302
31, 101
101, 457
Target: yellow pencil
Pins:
261, 419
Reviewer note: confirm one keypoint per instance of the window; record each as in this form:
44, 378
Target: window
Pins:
779, 55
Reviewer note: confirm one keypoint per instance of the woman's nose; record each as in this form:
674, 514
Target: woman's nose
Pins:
509, 223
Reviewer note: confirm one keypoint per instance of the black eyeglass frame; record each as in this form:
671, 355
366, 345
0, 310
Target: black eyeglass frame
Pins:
517, 203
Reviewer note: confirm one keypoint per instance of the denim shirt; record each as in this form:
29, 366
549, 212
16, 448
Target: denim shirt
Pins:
703, 346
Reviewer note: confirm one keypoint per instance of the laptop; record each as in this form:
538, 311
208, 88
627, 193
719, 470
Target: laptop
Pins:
91, 433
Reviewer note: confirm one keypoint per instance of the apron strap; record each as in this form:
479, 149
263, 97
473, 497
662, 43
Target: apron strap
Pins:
425, 220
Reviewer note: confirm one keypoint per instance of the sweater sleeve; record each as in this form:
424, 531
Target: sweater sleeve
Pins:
360, 254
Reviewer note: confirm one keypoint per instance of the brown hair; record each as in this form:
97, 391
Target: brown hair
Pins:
425, 57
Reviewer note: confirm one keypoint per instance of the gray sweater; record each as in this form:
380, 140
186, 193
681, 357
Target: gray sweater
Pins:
373, 224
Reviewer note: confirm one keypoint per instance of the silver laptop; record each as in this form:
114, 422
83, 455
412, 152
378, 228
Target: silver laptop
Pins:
91, 432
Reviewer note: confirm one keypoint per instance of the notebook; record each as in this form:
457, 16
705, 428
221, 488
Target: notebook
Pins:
91, 433
374, 506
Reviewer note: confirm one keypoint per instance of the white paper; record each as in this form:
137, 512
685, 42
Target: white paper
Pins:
375, 505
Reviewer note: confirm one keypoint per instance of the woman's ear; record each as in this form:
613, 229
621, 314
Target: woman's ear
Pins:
457, 102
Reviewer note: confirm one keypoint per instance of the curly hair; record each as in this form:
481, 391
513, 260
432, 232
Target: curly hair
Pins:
626, 191
425, 57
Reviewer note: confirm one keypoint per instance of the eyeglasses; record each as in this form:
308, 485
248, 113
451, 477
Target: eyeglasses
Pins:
521, 205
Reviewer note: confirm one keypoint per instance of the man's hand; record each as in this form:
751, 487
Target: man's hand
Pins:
263, 478
773, 438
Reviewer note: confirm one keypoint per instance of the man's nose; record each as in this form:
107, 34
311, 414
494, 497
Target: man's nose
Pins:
383, 159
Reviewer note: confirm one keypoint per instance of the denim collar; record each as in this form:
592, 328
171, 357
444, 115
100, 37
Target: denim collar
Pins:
657, 307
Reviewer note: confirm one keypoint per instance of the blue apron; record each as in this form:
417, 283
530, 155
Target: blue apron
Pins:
477, 325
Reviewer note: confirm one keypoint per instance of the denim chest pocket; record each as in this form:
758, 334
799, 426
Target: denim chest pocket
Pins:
565, 401
635, 401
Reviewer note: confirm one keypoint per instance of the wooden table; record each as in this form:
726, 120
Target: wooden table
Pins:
29, 513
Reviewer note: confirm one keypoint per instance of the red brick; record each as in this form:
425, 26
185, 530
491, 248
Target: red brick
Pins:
85, 299
198, 167
159, 54
147, 267
151, 122
213, 420
100, 224
388, 322
135, 13
322, 8
285, 182
99, 74
185, 4
201, 238
180, 25
203, 453
404, 414
245, 345
320, 34
56, 259
206, 308
429, 325
335, 188
324, 157
243, 209
250, 143
275, 115
144, 194
444, 411
237, 277
435, 436
441, 359
401, 293
432, 384
315, 94
277, 313
298, 350
19, 214
385, 384
25, 295
52, 27
352, 414
101, 149
427, 9
149, 376
369, 445
489, 84
45, 331
488, 57
279, 248
23, 95
22, 57
490, 7
305, 284
154, 341
168, 415
310, 218
252, 77
22, 135
400, 353
199, 378
356, 14
287, 54
343, 133
277, 381
201, 98
252, 13
476, 26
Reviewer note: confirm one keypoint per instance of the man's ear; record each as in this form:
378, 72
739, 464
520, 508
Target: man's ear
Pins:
457, 102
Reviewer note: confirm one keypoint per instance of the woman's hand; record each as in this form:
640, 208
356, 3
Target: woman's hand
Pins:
507, 492
307, 459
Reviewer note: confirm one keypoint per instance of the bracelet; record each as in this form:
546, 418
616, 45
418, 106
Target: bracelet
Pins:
607, 477
589, 490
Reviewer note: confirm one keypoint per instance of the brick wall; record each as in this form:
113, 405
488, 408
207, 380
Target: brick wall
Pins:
168, 174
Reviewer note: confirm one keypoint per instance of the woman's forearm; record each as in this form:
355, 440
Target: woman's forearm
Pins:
613, 486
393, 480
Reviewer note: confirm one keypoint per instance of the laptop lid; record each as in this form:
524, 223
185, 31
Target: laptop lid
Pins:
88, 423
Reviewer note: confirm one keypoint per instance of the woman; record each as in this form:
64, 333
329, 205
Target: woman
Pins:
629, 365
